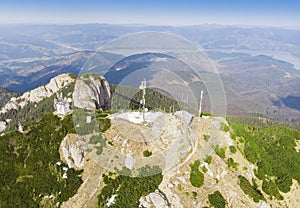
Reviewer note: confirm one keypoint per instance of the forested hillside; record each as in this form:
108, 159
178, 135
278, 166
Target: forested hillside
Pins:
32, 174
5, 96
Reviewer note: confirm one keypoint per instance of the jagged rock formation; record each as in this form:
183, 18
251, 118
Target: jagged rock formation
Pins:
3, 125
38, 94
92, 92
157, 198
73, 151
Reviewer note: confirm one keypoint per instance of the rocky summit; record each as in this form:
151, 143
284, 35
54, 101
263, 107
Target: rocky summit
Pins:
92, 92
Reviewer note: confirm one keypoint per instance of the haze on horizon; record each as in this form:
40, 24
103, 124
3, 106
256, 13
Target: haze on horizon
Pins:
155, 12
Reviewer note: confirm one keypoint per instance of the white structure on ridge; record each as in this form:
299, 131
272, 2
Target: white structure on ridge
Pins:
143, 101
61, 104
200, 104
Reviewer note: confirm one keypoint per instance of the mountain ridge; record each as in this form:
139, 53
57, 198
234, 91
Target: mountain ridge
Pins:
194, 162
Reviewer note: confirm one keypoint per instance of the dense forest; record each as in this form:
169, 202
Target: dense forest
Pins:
32, 174
5, 96
262, 121
128, 98
128, 190
32, 111
273, 150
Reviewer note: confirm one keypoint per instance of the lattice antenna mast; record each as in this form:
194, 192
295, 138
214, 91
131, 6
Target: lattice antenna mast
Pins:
184, 101
200, 104
143, 101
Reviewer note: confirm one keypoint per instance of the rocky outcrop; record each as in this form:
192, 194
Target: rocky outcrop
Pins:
38, 94
156, 199
92, 92
73, 151
3, 125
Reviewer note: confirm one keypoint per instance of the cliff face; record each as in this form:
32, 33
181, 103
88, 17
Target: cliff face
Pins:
92, 92
38, 94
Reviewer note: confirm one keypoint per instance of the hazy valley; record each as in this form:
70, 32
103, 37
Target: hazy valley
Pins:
86, 123
254, 81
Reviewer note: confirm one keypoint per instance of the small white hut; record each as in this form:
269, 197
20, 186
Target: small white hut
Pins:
61, 104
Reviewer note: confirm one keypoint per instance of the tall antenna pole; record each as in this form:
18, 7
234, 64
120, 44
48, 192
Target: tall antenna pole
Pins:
143, 101
200, 104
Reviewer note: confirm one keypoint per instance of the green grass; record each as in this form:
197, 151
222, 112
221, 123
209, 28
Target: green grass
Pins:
206, 114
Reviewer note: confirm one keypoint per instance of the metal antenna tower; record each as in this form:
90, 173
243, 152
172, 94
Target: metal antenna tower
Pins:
184, 101
143, 101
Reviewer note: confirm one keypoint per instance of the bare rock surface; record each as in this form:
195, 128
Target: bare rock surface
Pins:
73, 151
175, 191
2, 126
92, 92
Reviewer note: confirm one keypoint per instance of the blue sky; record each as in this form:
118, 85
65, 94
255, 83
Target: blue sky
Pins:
154, 12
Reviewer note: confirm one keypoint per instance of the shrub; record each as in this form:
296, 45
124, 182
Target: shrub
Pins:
248, 189
217, 200
232, 149
270, 188
208, 159
204, 169
224, 127
206, 137
196, 177
220, 151
147, 153
232, 164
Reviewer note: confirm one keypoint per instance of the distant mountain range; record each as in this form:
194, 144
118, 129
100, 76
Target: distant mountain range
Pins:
258, 66
253, 85
24, 75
